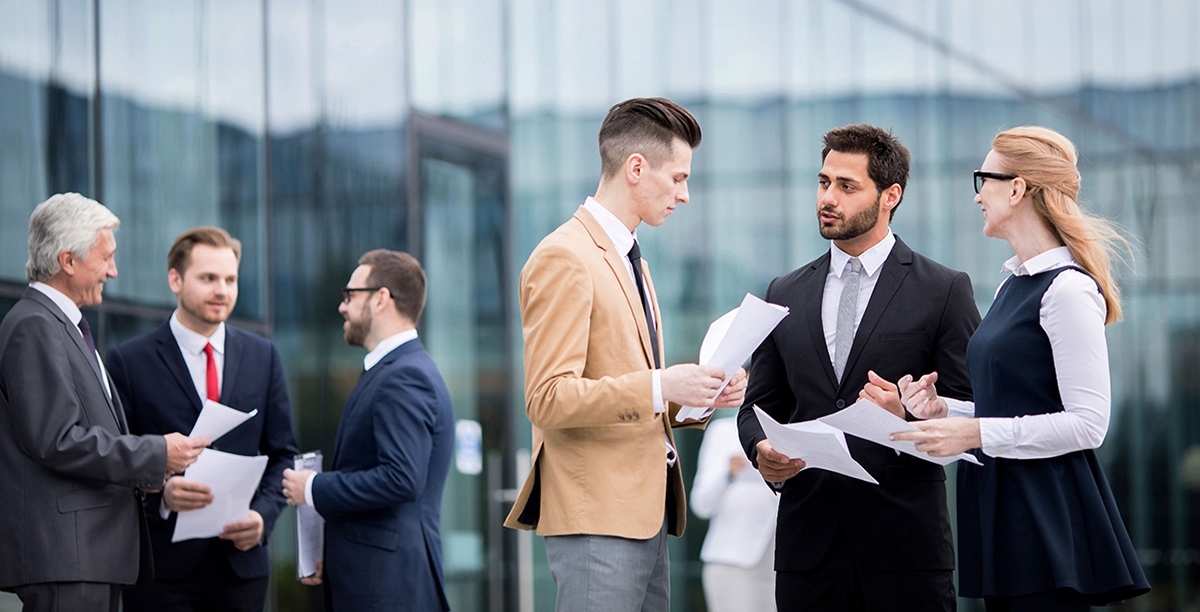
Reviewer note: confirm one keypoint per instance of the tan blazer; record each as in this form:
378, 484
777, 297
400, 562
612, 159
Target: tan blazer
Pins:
599, 456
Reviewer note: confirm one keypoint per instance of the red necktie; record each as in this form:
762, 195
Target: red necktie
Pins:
213, 393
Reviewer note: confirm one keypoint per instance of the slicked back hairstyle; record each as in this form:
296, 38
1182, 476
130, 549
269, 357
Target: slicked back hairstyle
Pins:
401, 273
64, 222
648, 126
887, 159
180, 255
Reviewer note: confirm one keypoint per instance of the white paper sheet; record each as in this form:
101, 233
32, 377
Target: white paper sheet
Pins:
730, 341
819, 445
870, 422
217, 419
233, 480
310, 526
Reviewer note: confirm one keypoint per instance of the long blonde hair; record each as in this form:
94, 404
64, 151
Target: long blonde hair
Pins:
1047, 162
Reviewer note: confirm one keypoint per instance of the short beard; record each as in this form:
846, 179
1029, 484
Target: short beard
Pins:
855, 226
356, 332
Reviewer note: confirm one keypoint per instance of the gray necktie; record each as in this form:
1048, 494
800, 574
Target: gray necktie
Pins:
847, 307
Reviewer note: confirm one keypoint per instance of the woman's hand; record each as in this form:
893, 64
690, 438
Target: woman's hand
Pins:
943, 437
921, 399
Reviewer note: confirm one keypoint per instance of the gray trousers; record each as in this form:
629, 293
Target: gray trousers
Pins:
610, 574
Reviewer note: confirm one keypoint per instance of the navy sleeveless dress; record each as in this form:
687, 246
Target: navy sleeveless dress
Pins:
1032, 525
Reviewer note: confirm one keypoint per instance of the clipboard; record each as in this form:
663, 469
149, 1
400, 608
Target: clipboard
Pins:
310, 526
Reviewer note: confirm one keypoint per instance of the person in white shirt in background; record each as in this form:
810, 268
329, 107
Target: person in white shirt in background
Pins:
739, 550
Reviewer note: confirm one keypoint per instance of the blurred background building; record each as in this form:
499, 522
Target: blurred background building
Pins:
465, 130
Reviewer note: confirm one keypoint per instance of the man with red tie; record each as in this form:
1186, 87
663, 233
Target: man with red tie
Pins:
163, 378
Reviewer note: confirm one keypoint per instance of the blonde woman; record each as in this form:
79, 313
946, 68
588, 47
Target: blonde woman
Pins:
1038, 528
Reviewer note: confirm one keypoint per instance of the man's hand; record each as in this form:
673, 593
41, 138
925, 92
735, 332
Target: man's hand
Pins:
293, 486
775, 466
244, 534
735, 392
944, 437
181, 495
883, 393
922, 400
316, 578
182, 451
688, 384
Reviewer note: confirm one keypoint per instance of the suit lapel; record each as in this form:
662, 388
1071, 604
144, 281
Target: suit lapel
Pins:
172, 356
233, 362
356, 396
895, 268
813, 294
616, 264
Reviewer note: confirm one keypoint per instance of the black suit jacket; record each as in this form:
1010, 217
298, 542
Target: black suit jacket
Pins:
918, 320
160, 397
68, 468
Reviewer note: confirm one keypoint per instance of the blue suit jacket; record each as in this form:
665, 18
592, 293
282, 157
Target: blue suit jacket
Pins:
160, 397
382, 501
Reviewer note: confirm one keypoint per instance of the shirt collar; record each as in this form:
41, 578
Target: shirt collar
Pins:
61, 300
1046, 260
386, 346
193, 343
872, 259
620, 235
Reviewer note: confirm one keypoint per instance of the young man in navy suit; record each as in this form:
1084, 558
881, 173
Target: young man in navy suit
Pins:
382, 501
163, 378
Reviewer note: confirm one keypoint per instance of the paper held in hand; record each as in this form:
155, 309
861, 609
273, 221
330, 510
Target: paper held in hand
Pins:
869, 421
310, 526
233, 479
217, 419
731, 340
819, 445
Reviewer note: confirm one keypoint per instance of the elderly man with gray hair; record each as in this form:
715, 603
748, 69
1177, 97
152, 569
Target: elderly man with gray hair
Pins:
72, 529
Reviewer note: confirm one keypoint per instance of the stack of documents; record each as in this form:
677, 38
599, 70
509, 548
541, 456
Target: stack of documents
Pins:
822, 443
731, 340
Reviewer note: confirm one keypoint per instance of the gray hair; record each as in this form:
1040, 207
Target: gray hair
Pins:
65, 222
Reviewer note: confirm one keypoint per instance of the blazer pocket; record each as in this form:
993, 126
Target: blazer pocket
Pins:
85, 499
375, 537
916, 336
922, 471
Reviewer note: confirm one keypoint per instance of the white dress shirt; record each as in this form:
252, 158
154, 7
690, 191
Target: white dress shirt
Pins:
74, 315
741, 511
872, 261
1072, 315
623, 240
376, 355
191, 344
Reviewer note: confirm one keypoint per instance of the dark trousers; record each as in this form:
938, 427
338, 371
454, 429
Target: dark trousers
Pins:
211, 586
1057, 600
842, 583
68, 596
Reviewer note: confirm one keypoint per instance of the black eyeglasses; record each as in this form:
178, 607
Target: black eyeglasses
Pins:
981, 175
348, 291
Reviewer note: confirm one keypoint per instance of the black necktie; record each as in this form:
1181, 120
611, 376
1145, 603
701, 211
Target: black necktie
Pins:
87, 337
635, 258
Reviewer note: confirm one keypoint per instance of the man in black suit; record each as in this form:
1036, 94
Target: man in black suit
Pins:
163, 378
869, 307
71, 529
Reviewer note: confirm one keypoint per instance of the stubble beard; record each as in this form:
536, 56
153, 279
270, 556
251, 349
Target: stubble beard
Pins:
357, 330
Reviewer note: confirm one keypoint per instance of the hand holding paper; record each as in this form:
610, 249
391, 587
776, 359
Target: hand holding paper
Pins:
233, 480
730, 341
818, 444
870, 422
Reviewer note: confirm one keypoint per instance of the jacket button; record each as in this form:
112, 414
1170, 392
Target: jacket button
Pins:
636, 416
620, 417
841, 403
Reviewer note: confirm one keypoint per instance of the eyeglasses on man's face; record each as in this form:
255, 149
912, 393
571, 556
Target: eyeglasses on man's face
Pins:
348, 292
980, 176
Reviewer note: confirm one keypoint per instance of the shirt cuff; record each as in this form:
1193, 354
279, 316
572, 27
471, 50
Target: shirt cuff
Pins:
163, 511
997, 436
308, 499
656, 388
959, 408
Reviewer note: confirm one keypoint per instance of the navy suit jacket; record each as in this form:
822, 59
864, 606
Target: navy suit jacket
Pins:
919, 319
382, 501
160, 397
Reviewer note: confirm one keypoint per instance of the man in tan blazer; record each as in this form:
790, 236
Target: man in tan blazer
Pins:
606, 486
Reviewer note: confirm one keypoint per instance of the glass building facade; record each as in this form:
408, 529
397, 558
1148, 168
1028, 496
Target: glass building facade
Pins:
463, 131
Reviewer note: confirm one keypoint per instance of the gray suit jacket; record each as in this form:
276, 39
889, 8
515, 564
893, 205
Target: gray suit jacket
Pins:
68, 468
